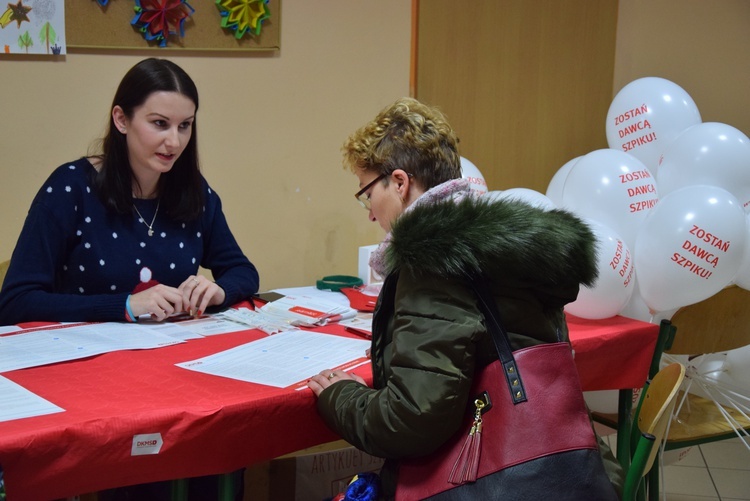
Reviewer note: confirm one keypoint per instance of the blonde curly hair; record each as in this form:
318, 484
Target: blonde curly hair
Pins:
406, 135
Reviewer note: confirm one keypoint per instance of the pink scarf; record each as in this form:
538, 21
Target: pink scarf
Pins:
455, 190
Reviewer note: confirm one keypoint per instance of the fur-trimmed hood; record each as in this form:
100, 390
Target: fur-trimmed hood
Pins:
508, 240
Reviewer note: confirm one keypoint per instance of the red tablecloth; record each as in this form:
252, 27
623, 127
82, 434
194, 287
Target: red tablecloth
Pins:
614, 353
210, 424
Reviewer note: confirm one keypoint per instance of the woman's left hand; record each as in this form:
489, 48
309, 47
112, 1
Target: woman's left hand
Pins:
198, 293
326, 378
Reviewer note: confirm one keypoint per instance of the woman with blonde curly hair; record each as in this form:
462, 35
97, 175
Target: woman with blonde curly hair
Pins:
429, 335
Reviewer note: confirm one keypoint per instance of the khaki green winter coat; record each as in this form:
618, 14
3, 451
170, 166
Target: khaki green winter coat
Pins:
429, 336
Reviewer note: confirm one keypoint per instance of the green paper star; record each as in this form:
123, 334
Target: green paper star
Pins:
243, 15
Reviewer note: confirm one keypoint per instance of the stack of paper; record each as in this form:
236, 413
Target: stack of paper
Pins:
291, 312
304, 311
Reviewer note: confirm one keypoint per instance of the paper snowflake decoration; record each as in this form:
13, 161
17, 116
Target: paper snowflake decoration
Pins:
243, 15
157, 19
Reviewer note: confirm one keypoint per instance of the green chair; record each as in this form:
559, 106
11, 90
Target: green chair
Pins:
228, 485
652, 416
622, 421
714, 325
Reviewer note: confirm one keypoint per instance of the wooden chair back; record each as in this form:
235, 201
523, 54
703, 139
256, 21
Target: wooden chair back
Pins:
654, 413
657, 405
719, 323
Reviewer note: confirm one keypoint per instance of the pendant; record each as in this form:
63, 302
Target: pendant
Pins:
150, 232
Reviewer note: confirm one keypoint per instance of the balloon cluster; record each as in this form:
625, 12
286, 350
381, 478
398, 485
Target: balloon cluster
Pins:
667, 203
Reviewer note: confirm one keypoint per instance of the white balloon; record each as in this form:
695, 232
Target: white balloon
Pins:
690, 247
531, 197
663, 315
708, 363
607, 401
493, 196
714, 380
613, 188
738, 366
636, 308
639, 310
709, 153
648, 114
557, 183
604, 401
613, 287
471, 172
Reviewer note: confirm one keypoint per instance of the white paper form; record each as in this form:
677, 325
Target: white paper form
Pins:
196, 328
218, 323
282, 359
171, 329
316, 294
52, 345
18, 402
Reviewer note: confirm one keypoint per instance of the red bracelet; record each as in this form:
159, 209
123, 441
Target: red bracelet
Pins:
128, 317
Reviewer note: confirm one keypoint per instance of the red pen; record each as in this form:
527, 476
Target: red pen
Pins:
358, 332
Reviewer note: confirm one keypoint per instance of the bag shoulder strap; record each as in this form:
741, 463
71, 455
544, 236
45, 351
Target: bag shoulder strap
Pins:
499, 335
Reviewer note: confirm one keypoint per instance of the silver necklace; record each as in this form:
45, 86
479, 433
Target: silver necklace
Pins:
150, 226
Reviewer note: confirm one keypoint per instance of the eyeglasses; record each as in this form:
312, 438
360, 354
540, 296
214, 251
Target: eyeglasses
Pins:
363, 197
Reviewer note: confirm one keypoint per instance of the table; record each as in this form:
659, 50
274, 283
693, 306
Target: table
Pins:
613, 353
210, 424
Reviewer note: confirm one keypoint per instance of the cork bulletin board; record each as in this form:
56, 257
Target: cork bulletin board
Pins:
93, 26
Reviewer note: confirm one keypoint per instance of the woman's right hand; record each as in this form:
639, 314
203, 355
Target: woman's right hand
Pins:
159, 301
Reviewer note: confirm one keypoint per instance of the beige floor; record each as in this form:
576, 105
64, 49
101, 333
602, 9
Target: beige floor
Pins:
718, 471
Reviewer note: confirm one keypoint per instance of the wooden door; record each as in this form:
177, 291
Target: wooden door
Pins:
525, 83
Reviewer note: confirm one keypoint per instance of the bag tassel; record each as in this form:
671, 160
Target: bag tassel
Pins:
467, 465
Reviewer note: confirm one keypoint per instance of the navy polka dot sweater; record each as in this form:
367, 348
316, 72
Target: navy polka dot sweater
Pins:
75, 260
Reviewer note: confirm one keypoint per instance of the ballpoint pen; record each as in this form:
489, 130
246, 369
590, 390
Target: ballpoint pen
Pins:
359, 332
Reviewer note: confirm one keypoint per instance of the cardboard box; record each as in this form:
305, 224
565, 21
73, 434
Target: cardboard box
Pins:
314, 474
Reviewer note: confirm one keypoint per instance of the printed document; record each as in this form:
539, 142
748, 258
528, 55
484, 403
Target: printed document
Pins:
196, 328
71, 342
18, 402
290, 312
283, 359
316, 294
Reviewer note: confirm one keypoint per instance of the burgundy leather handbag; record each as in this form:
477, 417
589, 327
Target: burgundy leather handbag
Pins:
527, 434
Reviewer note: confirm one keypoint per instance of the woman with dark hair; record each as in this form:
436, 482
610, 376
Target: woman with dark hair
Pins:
120, 235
